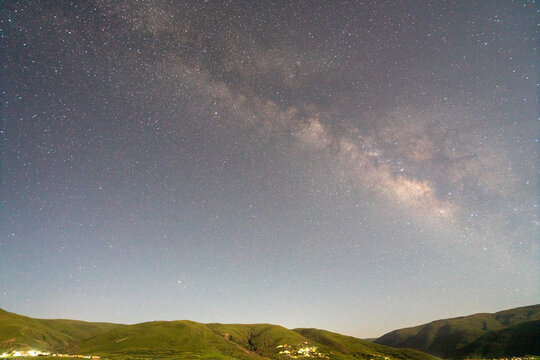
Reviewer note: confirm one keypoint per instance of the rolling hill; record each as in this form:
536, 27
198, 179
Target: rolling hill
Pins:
358, 348
451, 337
21, 332
262, 339
513, 332
518, 339
164, 339
188, 340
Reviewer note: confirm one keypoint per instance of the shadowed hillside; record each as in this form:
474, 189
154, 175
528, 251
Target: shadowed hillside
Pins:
518, 339
447, 338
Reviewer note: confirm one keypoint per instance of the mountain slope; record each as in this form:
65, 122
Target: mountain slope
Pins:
358, 348
23, 333
262, 339
446, 337
187, 339
515, 340
164, 339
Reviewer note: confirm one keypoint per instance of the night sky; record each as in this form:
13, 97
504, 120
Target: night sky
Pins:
346, 165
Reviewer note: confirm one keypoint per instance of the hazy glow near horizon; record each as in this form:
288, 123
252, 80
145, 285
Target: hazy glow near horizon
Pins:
346, 165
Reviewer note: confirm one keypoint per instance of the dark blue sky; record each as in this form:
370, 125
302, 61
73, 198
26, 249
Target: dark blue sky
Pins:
346, 165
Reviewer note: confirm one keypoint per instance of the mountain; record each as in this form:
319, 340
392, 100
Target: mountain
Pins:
262, 339
358, 348
21, 332
518, 339
164, 339
188, 340
449, 337
513, 332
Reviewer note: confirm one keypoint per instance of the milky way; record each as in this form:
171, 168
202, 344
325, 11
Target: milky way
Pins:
346, 165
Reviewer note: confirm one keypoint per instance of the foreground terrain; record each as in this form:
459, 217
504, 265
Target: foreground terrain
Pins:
515, 335
185, 340
514, 332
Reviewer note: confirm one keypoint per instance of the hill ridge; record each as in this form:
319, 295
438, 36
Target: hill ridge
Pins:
479, 334
445, 337
185, 339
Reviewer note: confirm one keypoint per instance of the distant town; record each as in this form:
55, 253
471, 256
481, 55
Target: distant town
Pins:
32, 353
302, 350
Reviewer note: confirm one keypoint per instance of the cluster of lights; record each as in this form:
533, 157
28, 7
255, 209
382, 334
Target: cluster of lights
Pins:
300, 352
32, 353
24, 353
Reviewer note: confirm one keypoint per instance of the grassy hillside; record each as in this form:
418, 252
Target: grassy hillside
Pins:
187, 339
23, 333
518, 315
262, 339
358, 348
515, 340
447, 337
164, 339
511, 332
506, 333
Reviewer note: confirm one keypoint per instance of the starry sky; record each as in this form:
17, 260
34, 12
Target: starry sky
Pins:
356, 166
